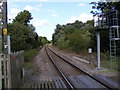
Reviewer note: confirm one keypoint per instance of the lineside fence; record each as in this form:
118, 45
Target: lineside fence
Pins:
11, 70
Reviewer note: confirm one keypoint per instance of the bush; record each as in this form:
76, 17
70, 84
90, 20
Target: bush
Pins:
29, 54
78, 41
62, 43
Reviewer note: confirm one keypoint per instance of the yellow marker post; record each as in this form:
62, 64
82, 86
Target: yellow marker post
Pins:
4, 31
6, 46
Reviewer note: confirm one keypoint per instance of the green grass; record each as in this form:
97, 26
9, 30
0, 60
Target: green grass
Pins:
27, 65
28, 55
105, 62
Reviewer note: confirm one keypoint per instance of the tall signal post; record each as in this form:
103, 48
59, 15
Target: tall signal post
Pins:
108, 21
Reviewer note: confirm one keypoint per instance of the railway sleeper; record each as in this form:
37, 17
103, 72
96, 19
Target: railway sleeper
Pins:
49, 84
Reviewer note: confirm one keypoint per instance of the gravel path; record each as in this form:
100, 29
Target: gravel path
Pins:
42, 67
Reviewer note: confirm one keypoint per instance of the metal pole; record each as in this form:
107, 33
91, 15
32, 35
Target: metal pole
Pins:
98, 49
9, 47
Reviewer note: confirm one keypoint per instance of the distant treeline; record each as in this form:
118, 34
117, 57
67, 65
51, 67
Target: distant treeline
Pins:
80, 36
76, 36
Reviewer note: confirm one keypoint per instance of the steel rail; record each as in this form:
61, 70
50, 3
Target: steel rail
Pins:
109, 87
64, 77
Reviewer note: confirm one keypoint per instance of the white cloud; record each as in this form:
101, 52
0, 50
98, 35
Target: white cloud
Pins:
42, 27
83, 17
33, 8
39, 5
11, 16
72, 19
12, 4
28, 7
14, 10
54, 15
40, 23
81, 5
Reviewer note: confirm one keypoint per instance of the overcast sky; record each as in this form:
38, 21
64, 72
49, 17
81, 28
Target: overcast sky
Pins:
48, 13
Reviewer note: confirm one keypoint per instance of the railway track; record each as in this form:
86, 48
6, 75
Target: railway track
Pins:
73, 76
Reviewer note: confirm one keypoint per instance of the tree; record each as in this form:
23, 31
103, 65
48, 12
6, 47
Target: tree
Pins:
103, 7
75, 36
78, 41
63, 43
44, 41
23, 35
23, 17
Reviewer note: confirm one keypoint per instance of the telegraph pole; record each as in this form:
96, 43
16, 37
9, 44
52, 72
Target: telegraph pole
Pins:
4, 81
1, 46
1, 26
5, 50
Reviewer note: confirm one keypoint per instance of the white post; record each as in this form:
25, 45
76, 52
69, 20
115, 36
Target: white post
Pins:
8, 42
98, 49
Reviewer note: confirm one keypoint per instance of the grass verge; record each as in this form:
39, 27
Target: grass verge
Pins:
112, 66
28, 55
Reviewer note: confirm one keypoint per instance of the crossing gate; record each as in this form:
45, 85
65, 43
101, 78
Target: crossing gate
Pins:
11, 70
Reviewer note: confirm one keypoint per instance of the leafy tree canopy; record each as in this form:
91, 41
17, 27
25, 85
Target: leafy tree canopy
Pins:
103, 7
75, 36
23, 17
23, 35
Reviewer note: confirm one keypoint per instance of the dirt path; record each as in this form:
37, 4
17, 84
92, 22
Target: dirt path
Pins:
41, 69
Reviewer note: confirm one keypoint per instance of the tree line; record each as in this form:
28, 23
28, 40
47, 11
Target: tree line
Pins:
22, 33
76, 36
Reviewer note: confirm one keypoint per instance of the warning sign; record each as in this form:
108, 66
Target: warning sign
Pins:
4, 31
